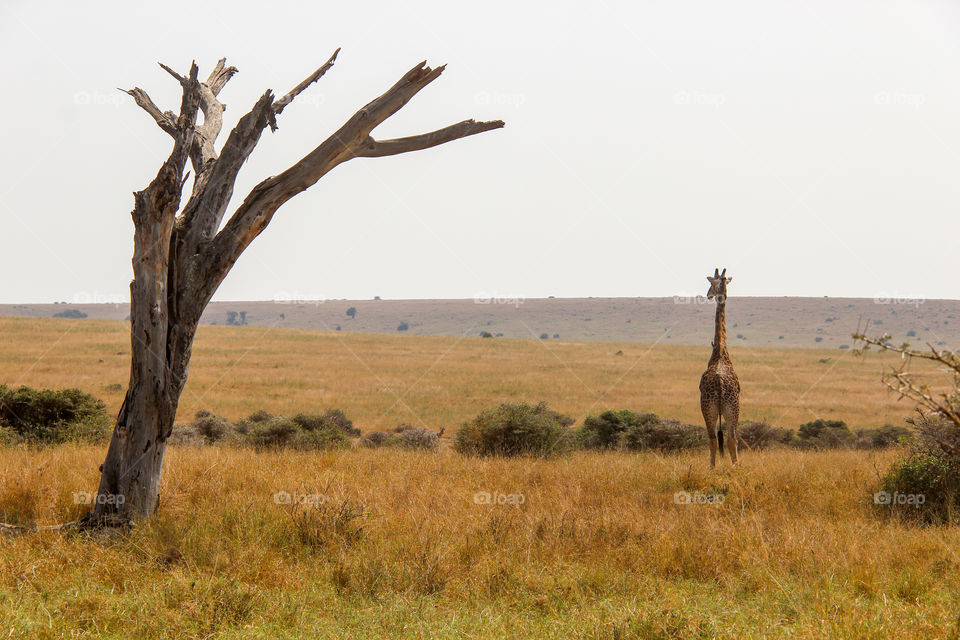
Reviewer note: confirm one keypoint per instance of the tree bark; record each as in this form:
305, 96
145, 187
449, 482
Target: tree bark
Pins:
180, 259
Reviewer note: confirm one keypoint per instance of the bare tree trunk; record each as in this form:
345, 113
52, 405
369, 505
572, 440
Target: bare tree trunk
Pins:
182, 256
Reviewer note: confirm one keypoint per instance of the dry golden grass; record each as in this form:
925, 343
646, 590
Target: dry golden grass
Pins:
381, 380
397, 546
597, 549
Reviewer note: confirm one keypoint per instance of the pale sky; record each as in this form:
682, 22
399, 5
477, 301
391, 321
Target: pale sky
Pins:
812, 148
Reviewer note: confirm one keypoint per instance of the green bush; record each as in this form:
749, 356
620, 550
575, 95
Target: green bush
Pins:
332, 419
886, 436
70, 313
340, 420
603, 431
930, 484
825, 434
515, 429
663, 434
264, 430
283, 432
48, 416
924, 485
8, 436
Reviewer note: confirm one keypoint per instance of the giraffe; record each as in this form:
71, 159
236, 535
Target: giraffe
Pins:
719, 386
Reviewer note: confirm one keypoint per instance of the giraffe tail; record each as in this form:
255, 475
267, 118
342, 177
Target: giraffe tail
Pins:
720, 420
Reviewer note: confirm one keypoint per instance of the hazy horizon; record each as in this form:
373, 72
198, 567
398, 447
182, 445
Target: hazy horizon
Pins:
898, 299
811, 149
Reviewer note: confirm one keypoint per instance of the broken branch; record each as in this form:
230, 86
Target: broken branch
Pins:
379, 148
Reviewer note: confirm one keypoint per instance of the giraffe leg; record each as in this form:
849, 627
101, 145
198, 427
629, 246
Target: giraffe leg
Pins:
708, 407
731, 413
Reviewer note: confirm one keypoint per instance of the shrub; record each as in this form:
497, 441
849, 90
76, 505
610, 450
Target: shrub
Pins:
824, 434
760, 435
8, 436
418, 439
403, 326
47, 416
486, 334
886, 436
603, 431
210, 427
284, 432
260, 416
327, 430
404, 436
70, 313
933, 476
664, 435
931, 469
514, 429
340, 420
562, 418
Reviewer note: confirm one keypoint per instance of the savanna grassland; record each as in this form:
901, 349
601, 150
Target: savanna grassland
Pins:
399, 548
387, 543
437, 381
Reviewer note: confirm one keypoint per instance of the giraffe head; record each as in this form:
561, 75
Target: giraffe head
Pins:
718, 285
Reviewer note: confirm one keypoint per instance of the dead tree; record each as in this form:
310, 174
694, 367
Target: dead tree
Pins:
182, 255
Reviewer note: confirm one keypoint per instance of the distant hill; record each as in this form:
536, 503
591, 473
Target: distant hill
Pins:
783, 322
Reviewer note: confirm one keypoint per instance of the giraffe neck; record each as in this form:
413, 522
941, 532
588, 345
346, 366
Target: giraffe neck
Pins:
720, 332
